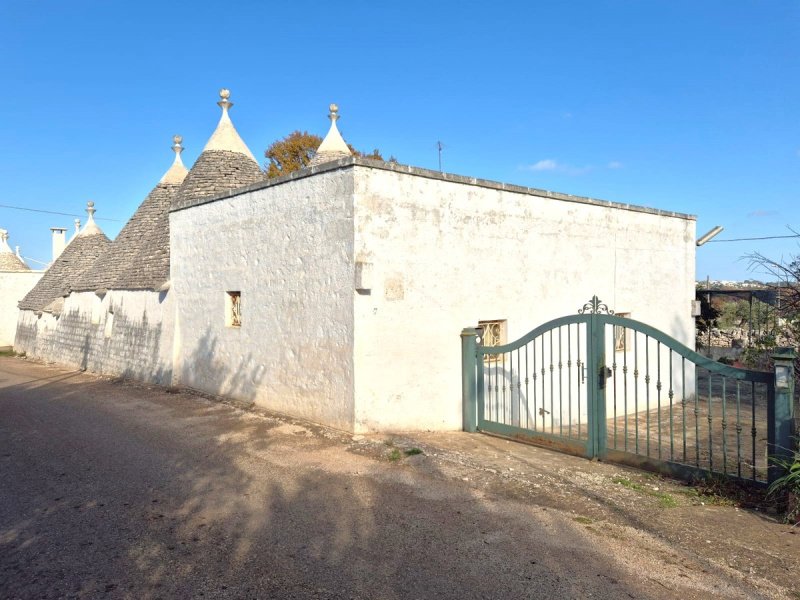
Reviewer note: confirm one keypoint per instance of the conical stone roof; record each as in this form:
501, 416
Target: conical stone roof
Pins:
8, 260
225, 164
333, 147
76, 259
138, 259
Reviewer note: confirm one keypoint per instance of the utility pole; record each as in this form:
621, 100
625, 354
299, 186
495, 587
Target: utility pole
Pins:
439, 145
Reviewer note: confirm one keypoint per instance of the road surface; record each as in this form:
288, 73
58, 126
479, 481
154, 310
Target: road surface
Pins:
115, 490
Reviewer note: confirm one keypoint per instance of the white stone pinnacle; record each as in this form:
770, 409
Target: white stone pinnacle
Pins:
333, 146
4, 247
225, 136
91, 227
177, 172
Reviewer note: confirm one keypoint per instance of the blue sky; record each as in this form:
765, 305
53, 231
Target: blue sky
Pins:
681, 105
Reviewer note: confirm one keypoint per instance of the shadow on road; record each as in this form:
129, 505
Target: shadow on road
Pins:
124, 491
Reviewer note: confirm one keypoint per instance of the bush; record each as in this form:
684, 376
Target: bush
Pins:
787, 487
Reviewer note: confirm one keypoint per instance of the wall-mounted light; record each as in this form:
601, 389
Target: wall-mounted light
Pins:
706, 237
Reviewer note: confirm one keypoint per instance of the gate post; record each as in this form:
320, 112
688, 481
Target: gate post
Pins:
780, 409
469, 362
597, 407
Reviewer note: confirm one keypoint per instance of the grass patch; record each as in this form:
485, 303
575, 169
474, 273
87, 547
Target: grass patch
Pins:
664, 500
707, 497
718, 490
583, 520
667, 501
413, 452
395, 455
7, 353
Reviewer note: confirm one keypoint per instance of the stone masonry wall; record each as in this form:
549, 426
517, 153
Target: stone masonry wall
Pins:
443, 255
288, 250
126, 334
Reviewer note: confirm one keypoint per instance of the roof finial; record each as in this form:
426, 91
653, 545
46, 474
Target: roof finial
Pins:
225, 136
177, 172
4, 247
224, 103
91, 227
333, 147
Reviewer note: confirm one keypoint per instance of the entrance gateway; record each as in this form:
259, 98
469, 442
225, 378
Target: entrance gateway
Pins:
604, 386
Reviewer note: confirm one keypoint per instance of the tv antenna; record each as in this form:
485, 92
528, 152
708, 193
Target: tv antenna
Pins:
440, 146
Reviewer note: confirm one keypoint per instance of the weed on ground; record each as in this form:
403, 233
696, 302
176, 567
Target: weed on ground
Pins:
664, 500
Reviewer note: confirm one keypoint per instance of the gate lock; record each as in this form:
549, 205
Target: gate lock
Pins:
605, 373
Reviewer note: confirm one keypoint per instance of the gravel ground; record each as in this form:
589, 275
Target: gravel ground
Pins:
118, 490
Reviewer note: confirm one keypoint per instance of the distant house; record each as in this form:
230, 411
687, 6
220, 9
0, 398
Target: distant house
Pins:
16, 280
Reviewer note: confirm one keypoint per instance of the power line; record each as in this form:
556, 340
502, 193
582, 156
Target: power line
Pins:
41, 262
53, 212
769, 237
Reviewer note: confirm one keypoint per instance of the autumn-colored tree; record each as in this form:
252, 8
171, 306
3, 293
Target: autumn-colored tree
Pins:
291, 153
296, 150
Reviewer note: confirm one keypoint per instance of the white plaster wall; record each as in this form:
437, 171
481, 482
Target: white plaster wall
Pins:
136, 343
288, 249
14, 285
445, 255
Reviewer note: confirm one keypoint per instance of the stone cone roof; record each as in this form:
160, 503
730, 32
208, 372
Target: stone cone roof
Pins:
138, 259
333, 147
8, 260
77, 258
225, 164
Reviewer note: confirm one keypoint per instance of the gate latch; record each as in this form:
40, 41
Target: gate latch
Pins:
605, 373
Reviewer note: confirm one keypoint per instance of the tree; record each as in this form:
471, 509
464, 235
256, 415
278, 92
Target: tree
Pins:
296, 150
786, 284
291, 153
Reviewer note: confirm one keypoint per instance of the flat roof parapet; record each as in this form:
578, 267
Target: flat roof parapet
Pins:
351, 161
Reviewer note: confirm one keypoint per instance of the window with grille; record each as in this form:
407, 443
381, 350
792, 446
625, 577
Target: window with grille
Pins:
494, 334
233, 309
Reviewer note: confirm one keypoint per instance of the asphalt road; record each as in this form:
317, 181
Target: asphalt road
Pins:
122, 491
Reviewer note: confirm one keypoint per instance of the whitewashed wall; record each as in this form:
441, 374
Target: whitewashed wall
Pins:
126, 334
288, 249
446, 254
14, 285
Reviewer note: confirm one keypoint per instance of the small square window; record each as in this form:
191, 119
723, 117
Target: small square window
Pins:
233, 309
494, 334
621, 334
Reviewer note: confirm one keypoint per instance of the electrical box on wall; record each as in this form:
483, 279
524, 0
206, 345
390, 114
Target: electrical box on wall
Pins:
363, 277
696, 309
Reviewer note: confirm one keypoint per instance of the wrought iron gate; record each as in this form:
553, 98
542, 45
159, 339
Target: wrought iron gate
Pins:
604, 386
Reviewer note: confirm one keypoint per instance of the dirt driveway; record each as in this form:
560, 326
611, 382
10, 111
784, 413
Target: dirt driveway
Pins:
119, 490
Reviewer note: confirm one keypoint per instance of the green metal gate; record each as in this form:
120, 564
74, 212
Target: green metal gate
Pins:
603, 386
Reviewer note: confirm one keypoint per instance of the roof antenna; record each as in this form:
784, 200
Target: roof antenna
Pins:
440, 145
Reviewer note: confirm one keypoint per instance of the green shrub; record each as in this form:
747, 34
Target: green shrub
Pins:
787, 487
